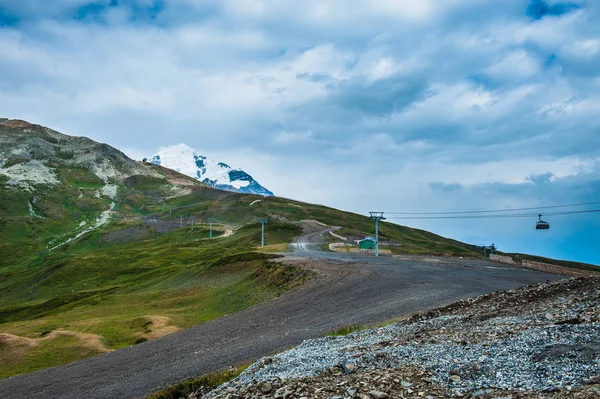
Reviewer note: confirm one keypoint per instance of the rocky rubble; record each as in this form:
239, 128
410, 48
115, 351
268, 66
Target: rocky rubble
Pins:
537, 341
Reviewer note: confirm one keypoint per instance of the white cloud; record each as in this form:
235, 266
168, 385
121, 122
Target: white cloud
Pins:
515, 65
286, 137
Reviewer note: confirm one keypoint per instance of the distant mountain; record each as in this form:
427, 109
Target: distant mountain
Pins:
186, 160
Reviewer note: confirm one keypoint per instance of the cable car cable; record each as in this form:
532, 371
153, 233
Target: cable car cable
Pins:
516, 215
493, 211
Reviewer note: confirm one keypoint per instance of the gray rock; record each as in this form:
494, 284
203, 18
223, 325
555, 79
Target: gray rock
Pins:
378, 394
348, 367
265, 387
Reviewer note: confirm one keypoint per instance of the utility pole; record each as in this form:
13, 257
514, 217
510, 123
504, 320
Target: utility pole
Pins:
263, 221
377, 216
181, 221
192, 222
211, 220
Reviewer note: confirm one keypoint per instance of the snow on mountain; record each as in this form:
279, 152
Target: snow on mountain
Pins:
186, 160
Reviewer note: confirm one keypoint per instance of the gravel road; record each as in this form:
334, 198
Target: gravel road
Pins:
346, 288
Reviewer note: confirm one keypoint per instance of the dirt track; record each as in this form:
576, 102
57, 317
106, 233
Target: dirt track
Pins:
345, 289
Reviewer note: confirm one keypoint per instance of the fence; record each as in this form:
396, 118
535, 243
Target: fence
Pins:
555, 269
341, 247
503, 259
543, 267
338, 236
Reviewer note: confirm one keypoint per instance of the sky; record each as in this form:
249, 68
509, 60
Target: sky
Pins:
394, 106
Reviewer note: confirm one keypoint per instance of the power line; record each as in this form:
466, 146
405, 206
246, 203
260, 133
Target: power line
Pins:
493, 211
515, 215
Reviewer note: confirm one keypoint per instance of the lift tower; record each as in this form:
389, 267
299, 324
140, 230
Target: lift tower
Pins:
377, 216
263, 221
211, 220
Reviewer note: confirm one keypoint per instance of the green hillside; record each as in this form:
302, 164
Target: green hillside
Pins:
124, 282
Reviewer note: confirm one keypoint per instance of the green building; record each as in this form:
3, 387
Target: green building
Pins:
367, 243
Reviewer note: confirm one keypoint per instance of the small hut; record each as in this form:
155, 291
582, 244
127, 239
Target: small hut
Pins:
367, 243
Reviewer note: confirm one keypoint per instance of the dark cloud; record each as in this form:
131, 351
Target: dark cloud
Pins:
544, 178
7, 18
12, 12
381, 97
538, 9
314, 77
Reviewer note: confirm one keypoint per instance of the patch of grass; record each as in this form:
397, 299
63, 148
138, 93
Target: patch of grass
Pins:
46, 308
208, 382
283, 247
345, 330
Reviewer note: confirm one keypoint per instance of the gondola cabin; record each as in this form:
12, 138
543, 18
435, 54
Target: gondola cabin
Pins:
541, 225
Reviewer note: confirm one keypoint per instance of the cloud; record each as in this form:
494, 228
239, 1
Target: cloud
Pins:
538, 9
445, 187
415, 105
286, 137
544, 178
314, 77
380, 97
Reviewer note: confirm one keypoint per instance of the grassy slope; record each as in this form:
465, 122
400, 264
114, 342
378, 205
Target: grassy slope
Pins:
126, 293
117, 292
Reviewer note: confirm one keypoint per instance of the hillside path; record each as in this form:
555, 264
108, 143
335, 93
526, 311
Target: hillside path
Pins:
345, 289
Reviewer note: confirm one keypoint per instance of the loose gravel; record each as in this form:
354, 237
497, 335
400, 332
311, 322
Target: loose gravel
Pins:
541, 339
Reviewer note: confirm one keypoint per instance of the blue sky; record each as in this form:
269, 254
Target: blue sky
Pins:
384, 105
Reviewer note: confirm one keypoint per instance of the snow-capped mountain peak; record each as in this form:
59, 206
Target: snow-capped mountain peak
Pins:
186, 160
